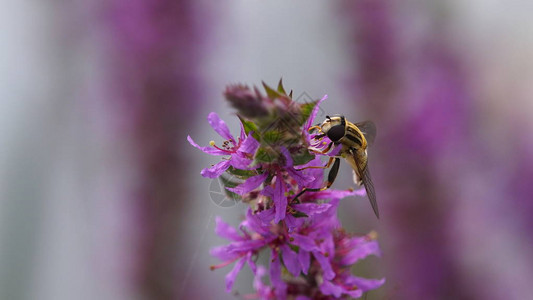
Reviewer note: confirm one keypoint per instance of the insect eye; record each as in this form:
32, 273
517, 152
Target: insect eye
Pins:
336, 132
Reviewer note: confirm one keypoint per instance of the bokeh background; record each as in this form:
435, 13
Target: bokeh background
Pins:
101, 195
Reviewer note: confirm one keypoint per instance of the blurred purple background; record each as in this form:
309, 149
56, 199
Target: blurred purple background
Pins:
101, 195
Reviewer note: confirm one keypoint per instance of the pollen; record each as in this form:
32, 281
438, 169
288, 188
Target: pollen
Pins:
372, 235
212, 143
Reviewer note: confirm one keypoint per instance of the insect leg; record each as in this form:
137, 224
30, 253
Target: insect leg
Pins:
333, 173
331, 178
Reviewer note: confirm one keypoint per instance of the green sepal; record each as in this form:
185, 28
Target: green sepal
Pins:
299, 214
232, 195
250, 126
228, 182
231, 184
302, 157
271, 137
280, 87
265, 155
244, 174
271, 93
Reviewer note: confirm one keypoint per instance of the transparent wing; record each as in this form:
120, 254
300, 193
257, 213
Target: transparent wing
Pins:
371, 193
369, 131
364, 173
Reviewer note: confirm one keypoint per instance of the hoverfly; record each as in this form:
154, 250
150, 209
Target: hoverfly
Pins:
355, 139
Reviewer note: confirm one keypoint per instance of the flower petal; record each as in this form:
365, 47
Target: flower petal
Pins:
240, 161
259, 286
251, 262
301, 178
249, 185
303, 242
311, 208
366, 284
224, 253
293, 223
290, 259
337, 194
287, 155
280, 200
328, 288
304, 257
219, 126
243, 133
325, 264
230, 278
242, 247
224, 230
208, 150
254, 223
266, 216
313, 114
275, 276
249, 145
216, 170
361, 251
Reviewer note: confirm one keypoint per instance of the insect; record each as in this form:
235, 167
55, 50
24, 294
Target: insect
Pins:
355, 139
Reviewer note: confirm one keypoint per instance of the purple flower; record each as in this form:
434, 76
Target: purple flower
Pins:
242, 247
348, 250
280, 287
262, 291
310, 254
241, 150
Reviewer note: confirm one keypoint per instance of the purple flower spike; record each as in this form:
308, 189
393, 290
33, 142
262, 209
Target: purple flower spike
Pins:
311, 255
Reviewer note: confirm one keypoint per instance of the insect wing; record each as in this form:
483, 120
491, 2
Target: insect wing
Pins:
371, 193
362, 167
369, 131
